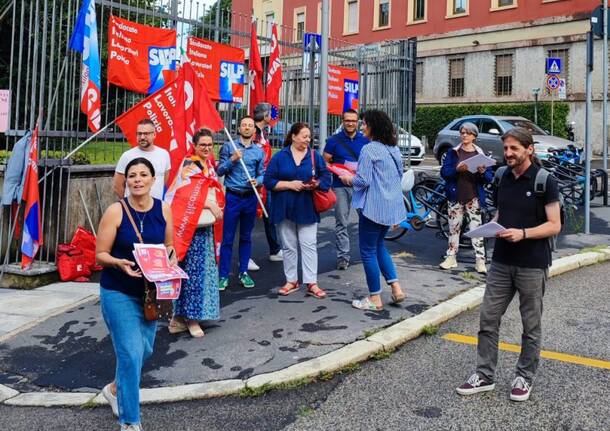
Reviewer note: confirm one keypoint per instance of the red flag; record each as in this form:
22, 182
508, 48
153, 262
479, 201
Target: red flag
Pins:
187, 196
257, 94
32, 226
177, 110
274, 77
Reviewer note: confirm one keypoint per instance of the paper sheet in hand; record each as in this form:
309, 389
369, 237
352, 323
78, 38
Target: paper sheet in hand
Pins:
479, 160
154, 263
487, 230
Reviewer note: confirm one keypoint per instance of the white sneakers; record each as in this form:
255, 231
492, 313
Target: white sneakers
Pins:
480, 267
252, 266
276, 257
449, 262
112, 400
131, 428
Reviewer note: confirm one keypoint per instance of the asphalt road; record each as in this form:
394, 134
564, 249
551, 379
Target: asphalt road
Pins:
413, 389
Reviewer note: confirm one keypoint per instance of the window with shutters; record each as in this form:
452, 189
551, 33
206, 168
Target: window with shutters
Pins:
456, 77
382, 13
351, 16
504, 75
299, 19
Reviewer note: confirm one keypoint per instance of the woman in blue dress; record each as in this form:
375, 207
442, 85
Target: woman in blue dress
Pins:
199, 297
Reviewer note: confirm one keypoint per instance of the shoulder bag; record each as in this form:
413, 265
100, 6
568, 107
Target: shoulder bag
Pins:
322, 200
207, 218
151, 307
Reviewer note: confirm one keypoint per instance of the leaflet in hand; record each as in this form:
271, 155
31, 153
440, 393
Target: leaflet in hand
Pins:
339, 169
154, 263
487, 230
479, 160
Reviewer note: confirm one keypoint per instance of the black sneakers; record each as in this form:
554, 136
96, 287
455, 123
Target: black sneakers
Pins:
474, 385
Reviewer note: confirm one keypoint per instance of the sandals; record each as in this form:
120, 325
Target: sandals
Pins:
196, 331
176, 326
397, 299
366, 304
314, 290
289, 287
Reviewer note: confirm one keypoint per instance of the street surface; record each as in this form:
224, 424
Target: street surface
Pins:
413, 389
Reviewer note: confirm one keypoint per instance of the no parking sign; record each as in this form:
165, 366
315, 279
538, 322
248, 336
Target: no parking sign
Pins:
552, 83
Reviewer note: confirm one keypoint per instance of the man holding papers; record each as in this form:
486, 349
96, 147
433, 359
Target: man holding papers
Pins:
520, 262
465, 193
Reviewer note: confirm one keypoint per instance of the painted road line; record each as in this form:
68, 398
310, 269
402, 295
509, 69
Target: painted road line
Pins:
546, 354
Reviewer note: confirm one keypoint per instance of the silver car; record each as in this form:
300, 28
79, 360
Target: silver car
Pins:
491, 128
417, 148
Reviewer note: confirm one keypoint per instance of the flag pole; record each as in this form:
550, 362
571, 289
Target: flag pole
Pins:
81, 145
243, 165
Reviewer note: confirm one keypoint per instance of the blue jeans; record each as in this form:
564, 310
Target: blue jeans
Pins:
133, 338
242, 211
375, 257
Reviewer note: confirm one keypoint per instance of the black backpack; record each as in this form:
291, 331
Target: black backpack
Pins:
539, 190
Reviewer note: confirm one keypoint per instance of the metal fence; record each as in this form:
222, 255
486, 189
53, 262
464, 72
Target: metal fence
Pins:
42, 73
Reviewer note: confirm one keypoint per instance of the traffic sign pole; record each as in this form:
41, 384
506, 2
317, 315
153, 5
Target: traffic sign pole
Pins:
605, 90
324, 74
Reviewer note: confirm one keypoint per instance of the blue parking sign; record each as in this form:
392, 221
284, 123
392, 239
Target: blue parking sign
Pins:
553, 66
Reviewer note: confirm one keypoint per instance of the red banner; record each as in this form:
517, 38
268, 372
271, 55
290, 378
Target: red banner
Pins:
342, 89
177, 110
140, 58
220, 66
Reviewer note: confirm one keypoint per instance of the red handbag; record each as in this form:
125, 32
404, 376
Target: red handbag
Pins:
322, 200
71, 263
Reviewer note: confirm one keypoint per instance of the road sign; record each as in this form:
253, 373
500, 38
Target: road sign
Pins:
552, 82
597, 22
553, 66
561, 91
312, 42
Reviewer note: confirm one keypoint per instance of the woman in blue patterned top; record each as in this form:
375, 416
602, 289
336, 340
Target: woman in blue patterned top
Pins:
378, 200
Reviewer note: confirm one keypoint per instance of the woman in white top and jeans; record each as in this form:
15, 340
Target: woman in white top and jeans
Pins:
378, 200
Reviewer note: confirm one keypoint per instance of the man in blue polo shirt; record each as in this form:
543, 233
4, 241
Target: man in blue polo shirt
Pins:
241, 201
344, 148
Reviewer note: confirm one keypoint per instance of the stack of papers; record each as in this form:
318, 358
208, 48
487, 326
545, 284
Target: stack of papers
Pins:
487, 230
479, 160
154, 264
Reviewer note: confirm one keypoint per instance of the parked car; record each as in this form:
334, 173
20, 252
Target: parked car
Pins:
417, 149
491, 129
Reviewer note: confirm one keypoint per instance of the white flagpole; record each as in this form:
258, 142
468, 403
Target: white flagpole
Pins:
243, 165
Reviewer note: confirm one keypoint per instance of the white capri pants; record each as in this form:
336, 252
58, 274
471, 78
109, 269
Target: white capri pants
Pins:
292, 236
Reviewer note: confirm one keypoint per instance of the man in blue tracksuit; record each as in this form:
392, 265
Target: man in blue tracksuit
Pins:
241, 202
344, 148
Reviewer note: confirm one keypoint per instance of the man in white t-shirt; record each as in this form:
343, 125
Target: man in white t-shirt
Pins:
145, 135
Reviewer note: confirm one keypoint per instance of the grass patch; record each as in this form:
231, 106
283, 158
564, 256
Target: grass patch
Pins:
304, 411
382, 354
89, 404
429, 330
255, 392
468, 276
369, 332
594, 249
105, 152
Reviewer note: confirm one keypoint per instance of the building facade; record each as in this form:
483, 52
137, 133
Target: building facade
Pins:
473, 51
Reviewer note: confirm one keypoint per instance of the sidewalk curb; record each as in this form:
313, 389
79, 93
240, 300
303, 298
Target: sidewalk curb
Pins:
385, 340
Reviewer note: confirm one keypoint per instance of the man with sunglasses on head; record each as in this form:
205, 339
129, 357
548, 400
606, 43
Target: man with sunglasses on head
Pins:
344, 148
145, 135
